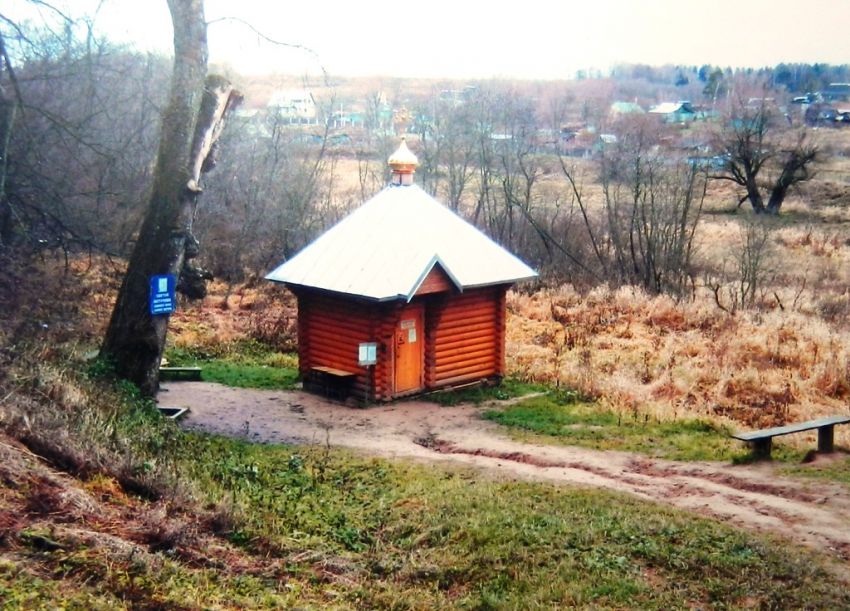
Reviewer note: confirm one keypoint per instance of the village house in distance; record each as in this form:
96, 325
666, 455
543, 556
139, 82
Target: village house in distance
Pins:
400, 297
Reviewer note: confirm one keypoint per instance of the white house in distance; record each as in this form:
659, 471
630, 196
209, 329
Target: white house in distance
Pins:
294, 105
675, 112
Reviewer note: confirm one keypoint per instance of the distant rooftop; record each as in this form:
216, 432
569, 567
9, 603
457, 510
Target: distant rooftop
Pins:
670, 107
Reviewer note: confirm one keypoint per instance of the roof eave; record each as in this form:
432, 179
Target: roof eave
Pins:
497, 283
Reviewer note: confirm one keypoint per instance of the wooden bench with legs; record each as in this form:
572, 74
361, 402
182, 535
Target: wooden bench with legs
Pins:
762, 441
331, 382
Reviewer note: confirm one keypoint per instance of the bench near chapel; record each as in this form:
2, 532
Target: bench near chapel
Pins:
762, 441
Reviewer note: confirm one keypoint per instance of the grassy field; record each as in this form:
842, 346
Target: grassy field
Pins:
671, 361
835, 470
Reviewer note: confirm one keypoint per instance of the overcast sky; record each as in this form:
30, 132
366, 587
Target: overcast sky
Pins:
476, 39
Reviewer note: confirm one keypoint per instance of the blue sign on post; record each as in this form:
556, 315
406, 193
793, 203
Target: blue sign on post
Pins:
162, 299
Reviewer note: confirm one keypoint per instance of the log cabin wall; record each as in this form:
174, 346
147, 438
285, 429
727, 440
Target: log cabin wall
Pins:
465, 336
387, 317
330, 331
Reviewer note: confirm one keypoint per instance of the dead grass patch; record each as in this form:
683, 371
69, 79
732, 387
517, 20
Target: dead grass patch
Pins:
671, 360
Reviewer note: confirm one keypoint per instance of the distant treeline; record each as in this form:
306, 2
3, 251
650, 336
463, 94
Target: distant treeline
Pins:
795, 78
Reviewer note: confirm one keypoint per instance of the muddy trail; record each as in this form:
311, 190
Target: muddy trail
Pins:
748, 496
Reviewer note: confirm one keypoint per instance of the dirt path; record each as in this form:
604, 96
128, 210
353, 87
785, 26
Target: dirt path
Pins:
753, 496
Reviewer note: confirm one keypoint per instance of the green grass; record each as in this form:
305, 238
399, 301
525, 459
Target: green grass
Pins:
87, 578
242, 364
324, 527
566, 419
406, 536
837, 470
509, 388
249, 376
409, 537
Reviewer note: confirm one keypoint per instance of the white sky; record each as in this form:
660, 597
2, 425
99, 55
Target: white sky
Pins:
529, 39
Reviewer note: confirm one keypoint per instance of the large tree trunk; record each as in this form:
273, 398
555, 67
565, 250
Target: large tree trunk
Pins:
754, 194
795, 169
7, 120
777, 196
191, 124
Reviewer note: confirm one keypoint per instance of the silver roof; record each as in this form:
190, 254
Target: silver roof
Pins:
386, 248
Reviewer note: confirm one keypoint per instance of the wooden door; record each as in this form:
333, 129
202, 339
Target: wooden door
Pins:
409, 342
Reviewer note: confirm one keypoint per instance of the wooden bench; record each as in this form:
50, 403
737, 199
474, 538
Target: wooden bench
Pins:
762, 441
180, 373
331, 382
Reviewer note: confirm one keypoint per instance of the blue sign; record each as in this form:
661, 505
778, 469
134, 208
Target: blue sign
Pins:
162, 298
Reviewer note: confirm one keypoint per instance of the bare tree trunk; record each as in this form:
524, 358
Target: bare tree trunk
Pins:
7, 120
191, 124
754, 194
8, 108
795, 169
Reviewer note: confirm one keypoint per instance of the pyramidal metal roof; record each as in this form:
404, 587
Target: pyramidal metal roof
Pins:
386, 248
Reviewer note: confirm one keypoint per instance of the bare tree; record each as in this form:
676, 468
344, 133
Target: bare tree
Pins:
191, 124
9, 104
795, 167
763, 156
643, 232
447, 148
77, 139
743, 287
652, 204
256, 214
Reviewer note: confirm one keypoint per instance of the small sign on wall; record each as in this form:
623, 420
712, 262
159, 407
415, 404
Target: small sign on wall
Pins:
367, 354
410, 326
162, 297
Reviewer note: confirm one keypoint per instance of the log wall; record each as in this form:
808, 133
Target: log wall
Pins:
388, 316
465, 337
330, 331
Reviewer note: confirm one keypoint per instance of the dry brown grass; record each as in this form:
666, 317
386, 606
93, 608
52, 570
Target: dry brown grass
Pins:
649, 354
263, 312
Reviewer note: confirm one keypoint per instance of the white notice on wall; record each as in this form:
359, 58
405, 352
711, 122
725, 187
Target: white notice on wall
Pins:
367, 353
411, 335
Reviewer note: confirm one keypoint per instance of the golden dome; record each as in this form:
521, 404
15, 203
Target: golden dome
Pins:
403, 161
